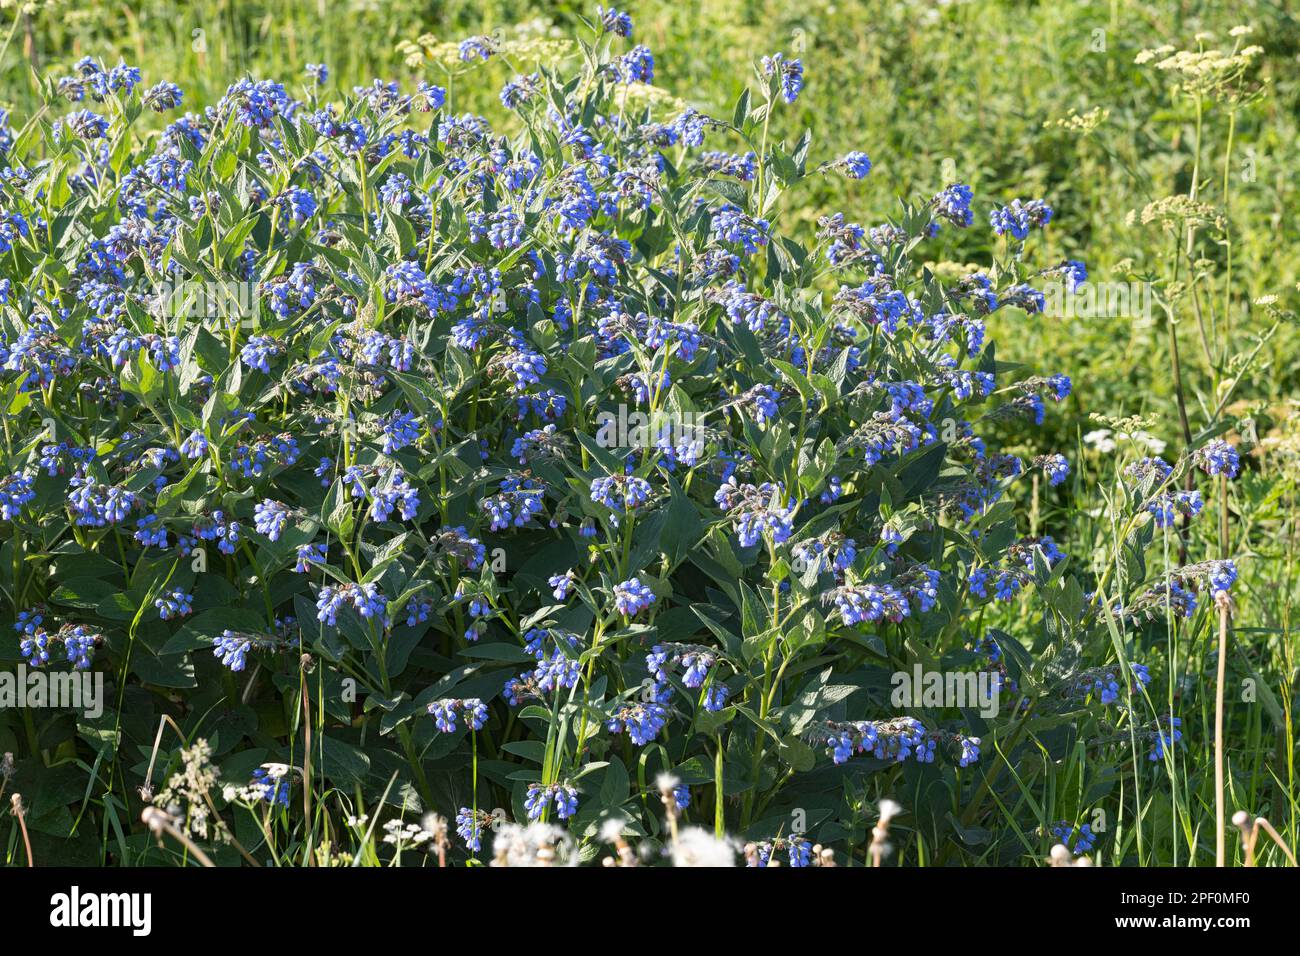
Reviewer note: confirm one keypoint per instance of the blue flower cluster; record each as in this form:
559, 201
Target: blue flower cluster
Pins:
35, 643
798, 851
539, 797
445, 711
389, 458
1078, 839
893, 741
274, 787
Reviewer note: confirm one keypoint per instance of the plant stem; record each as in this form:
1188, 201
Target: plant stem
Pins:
1219, 811
1219, 832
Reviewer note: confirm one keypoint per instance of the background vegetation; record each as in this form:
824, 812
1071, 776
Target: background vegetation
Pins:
1016, 99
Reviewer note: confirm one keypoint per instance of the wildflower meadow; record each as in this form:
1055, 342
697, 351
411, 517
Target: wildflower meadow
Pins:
602, 440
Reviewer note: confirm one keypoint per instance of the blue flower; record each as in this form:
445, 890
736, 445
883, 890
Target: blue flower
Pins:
640, 721
1217, 457
270, 518
757, 511
16, 490
620, 493
1074, 272
175, 603
368, 601
1060, 386
1017, 218
561, 584
539, 797
444, 713
274, 786
399, 430
297, 204
79, 645
952, 205
1222, 576
1164, 736
308, 554
614, 21
868, 603
715, 697
631, 597
1077, 840
162, 97
1169, 507
1055, 467
855, 165
232, 649
258, 352
195, 446
732, 224
636, 66
469, 827
480, 48
790, 73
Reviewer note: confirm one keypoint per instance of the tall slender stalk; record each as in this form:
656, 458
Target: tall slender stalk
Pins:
1219, 813
1224, 605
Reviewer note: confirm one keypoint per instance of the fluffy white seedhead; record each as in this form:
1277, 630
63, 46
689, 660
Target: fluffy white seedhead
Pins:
612, 829
698, 847
435, 825
888, 810
538, 844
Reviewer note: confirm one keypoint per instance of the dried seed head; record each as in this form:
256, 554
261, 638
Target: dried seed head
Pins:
154, 819
666, 782
611, 831
697, 847
436, 826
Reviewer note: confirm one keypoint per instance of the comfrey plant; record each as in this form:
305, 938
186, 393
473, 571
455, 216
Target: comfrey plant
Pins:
368, 530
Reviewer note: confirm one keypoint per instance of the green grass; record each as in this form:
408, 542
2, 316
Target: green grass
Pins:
929, 91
